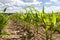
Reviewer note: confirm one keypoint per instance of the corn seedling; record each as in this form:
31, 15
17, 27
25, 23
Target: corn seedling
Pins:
3, 21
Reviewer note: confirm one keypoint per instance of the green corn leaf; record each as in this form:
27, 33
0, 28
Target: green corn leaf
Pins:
43, 9
47, 28
53, 18
4, 9
46, 19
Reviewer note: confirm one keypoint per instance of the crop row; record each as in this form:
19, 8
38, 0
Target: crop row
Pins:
49, 21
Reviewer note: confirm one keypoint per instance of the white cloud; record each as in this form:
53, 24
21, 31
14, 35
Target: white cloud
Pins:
13, 7
52, 8
30, 1
20, 3
12, 11
14, 2
5, 1
17, 2
1, 4
48, 3
54, 0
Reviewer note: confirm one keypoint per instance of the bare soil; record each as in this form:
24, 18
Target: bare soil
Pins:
21, 32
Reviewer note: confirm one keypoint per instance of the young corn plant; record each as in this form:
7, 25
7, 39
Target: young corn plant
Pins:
3, 21
36, 19
49, 24
46, 22
46, 25
53, 24
28, 19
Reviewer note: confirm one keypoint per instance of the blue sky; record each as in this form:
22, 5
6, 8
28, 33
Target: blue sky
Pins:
15, 5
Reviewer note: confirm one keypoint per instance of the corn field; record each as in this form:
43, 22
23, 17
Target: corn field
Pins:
33, 19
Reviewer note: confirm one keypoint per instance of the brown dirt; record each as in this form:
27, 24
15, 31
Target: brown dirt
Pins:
21, 32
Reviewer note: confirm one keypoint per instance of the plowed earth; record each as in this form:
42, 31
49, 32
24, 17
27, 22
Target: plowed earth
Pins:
21, 32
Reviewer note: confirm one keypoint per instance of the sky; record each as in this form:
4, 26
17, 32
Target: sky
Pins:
15, 5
